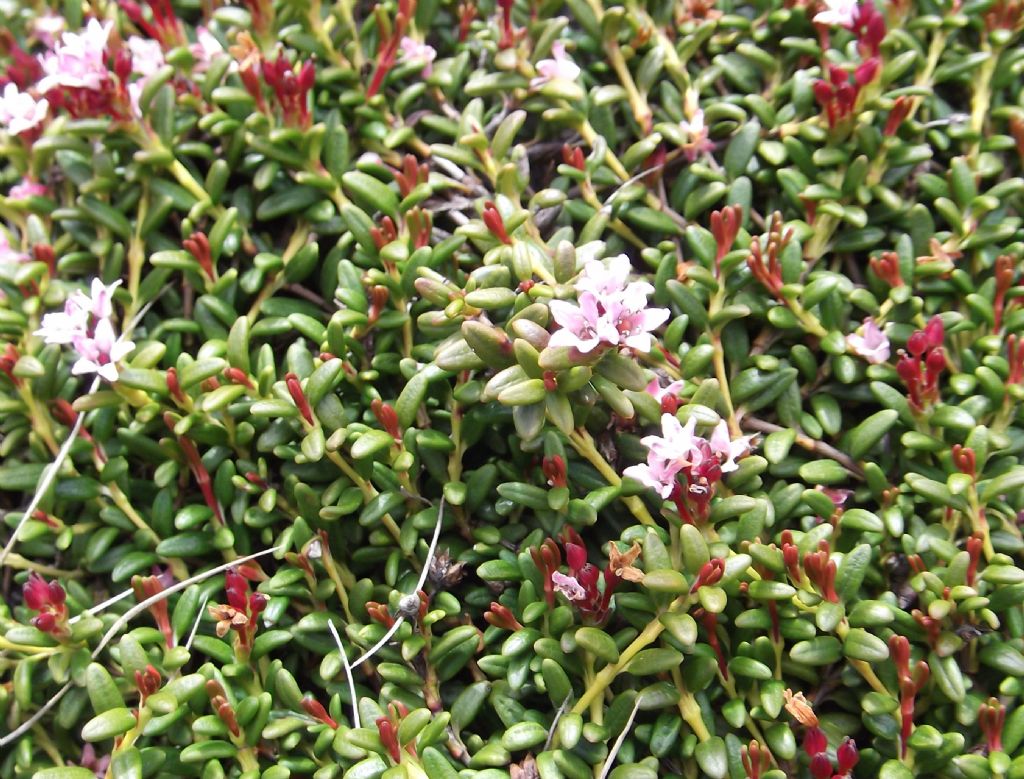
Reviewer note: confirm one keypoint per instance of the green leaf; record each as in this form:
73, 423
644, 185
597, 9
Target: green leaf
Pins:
370, 442
109, 724
869, 432
370, 193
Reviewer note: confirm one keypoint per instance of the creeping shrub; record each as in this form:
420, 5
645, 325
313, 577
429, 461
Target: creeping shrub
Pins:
532, 389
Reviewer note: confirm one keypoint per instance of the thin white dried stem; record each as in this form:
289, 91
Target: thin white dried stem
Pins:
138, 608
47, 478
195, 625
348, 673
377, 647
419, 586
101, 606
554, 723
433, 547
607, 767
27, 724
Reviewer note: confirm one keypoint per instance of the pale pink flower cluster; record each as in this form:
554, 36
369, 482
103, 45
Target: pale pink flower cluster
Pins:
205, 49
697, 132
86, 324
147, 59
25, 189
612, 311
869, 342
8, 253
48, 28
838, 13
678, 449
79, 61
416, 51
559, 68
19, 111
694, 127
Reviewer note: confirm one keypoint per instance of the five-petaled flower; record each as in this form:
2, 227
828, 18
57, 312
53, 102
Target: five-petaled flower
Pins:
838, 13
417, 51
559, 67
869, 342
205, 49
20, 112
85, 324
609, 311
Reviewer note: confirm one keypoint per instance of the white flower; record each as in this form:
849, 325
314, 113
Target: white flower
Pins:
99, 301
47, 28
722, 445
205, 49
869, 342
8, 253
560, 67
697, 131
79, 60
100, 352
19, 111
659, 393
147, 55
568, 586
416, 51
838, 13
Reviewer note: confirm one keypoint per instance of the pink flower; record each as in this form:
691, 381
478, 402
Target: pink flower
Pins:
47, 28
869, 342
658, 474
610, 311
147, 55
583, 327
8, 253
79, 60
26, 189
697, 132
635, 327
606, 277
417, 51
19, 111
677, 442
727, 448
678, 451
660, 393
838, 13
205, 49
99, 301
100, 352
568, 586
560, 67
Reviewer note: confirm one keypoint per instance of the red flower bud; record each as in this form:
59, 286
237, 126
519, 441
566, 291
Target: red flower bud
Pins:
575, 556
821, 766
847, 755
815, 742
316, 710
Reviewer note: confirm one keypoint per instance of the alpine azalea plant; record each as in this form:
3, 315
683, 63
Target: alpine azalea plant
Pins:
425, 390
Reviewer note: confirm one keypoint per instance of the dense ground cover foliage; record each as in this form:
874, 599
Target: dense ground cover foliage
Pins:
532, 389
